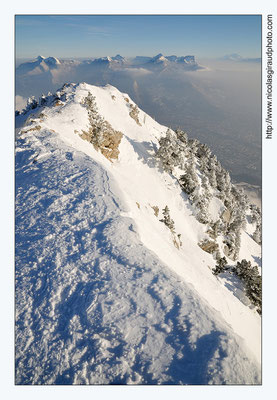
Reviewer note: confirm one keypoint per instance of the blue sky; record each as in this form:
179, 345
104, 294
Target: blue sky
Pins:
96, 36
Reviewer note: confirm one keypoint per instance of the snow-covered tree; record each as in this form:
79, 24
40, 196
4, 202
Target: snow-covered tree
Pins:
171, 151
203, 151
193, 146
257, 235
212, 166
220, 266
256, 219
205, 199
167, 220
252, 282
31, 103
189, 180
203, 214
182, 136
255, 213
233, 238
42, 100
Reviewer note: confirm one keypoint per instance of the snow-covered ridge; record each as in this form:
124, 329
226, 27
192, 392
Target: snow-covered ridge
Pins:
117, 208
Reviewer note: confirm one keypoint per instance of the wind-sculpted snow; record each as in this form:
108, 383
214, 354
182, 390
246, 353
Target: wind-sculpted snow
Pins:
93, 304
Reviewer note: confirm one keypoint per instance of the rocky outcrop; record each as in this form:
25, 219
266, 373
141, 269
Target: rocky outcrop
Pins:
209, 246
107, 143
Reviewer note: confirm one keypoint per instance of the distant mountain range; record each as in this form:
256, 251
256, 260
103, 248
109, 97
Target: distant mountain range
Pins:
42, 64
236, 57
159, 62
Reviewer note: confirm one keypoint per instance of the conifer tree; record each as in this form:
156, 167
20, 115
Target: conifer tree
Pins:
42, 100
167, 220
31, 103
182, 136
220, 266
257, 235
252, 282
212, 165
203, 214
189, 180
171, 151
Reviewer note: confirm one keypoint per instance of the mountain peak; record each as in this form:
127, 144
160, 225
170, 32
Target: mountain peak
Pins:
158, 56
158, 59
40, 58
52, 61
118, 57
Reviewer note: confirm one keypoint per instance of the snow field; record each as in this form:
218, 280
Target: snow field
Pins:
103, 295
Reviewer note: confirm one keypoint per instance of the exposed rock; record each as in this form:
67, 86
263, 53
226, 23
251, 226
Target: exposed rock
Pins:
108, 143
34, 128
156, 210
58, 103
100, 133
209, 246
226, 215
134, 113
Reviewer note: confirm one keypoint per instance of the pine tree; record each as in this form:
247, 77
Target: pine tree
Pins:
233, 238
252, 282
203, 214
171, 152
96, 121
257, 235
42, 100
187, 181
167, 220
256, 219
212, 165
203, 151
193, 146
31, 103
182, 136
204, 201
220, 266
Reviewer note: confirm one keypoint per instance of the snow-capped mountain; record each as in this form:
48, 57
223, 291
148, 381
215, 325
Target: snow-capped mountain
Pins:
118, 57
123, 228
108, 61
187, 62
42, 64
238, 58
158, 59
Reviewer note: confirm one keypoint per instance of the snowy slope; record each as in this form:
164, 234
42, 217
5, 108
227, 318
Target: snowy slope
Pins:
103, 295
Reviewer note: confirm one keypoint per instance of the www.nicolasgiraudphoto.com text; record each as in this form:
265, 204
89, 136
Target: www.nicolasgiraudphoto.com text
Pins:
269, 76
